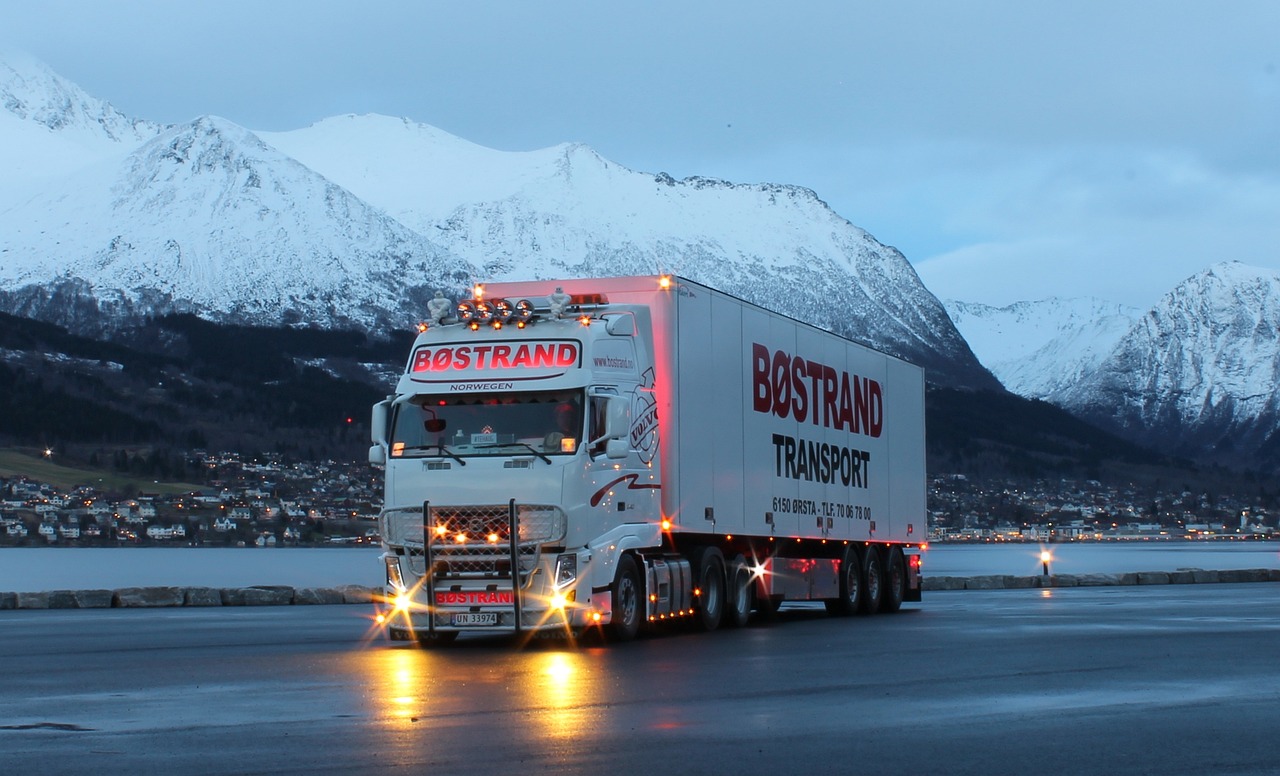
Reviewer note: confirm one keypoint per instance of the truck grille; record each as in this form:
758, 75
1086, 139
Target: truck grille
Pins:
474, 541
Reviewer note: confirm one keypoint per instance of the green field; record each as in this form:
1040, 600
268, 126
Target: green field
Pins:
33, 465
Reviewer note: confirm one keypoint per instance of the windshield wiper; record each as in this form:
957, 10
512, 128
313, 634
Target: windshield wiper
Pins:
525, 445
446, 451
442, 450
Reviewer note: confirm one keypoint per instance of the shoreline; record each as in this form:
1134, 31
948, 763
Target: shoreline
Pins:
284, 595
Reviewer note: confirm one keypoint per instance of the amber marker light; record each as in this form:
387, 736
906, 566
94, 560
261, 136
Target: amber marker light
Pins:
666, 524
585, 320
664, 282
478, 291
422, 327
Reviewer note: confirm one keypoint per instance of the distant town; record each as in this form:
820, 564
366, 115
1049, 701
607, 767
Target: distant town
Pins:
261, 502
246, 503
965, 510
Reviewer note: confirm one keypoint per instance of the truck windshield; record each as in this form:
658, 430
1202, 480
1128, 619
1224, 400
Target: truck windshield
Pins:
537, 422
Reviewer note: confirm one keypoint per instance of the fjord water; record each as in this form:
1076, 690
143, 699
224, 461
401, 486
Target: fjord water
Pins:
969, 560
83, 568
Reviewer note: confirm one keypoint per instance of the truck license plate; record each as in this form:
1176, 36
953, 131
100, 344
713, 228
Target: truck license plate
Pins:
475, 618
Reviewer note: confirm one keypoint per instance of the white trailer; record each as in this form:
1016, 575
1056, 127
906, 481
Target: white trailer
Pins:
615, 453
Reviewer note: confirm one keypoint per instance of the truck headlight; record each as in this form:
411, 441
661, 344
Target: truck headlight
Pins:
566, 571
394, 578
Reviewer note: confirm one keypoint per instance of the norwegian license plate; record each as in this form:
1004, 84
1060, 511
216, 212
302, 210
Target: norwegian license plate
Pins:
475, 618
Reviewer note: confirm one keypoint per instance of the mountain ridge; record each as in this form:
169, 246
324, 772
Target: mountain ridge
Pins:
209, 217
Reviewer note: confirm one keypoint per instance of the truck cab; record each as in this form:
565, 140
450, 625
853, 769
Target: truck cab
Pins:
510, 467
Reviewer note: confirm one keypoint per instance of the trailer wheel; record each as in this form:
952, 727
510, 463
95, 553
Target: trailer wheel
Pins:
873, 575
628, 600
852, 584
895, 580
738, 611
710, 587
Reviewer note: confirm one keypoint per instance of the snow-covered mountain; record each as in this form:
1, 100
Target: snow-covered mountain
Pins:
51, 127
352, 220
1199, 371
1038, 349
568, 212
205, 217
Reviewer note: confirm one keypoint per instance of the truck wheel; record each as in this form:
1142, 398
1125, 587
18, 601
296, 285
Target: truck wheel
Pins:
873, 576
628, 600
710, 585
738, 611
895, 581
851, 583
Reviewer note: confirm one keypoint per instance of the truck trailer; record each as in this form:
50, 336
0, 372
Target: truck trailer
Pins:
619, 453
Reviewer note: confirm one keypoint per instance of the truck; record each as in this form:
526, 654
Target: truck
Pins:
615, 454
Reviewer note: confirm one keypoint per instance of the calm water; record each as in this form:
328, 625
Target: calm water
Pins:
88, 568
81, 568
963, 560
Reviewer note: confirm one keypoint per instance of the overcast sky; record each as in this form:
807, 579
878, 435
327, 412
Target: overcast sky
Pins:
1012, 150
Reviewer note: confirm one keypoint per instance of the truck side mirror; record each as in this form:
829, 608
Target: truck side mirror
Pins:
618, 419
617, 422
378, 424
614, 448
378, 455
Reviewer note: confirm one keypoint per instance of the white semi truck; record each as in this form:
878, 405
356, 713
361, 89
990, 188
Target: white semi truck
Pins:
618, 453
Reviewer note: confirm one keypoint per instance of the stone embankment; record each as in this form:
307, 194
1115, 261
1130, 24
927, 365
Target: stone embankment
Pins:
281, 595
142, 597
1179, 577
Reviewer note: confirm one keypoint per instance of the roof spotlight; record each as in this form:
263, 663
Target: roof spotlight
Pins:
523, 310
502, 310
484, 312
466, 310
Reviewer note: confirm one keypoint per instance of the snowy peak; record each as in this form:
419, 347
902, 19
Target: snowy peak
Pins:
415, 172
30, 91
50, 128
1040, 348
1200, 368
206, 216
356, 220
566, 211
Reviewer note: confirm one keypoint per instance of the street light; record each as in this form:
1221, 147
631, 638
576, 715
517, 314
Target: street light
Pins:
1045, 557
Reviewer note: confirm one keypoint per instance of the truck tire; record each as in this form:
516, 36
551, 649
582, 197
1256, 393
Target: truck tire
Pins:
895, 581
711, 586
738, 609
628, 601
873, 579
852, 583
